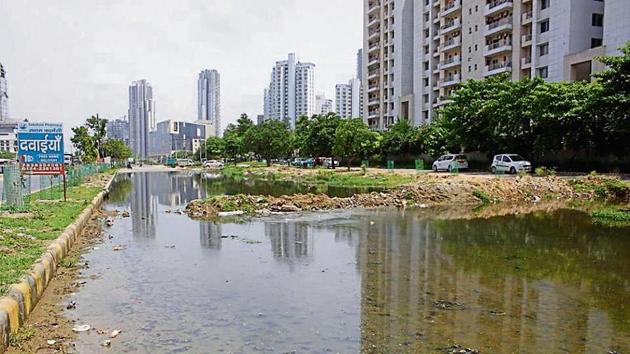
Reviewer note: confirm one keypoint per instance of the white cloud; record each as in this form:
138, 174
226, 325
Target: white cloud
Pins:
72, 58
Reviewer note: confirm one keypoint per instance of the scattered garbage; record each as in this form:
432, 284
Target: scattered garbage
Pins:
496, 313
115, 333
51, 342
110, 222
106, 343
230, 213
169, 246
458, 349
448, 305
118, 248
125, 214
81, 328
536, 199
71, 305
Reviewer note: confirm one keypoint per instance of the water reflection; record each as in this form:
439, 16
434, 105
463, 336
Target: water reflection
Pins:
210, 235
290, 241
381, 281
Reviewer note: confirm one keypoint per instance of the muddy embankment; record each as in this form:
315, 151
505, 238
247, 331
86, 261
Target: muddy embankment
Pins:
426, 191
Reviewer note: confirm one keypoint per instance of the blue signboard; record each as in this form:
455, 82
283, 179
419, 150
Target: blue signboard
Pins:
40, 143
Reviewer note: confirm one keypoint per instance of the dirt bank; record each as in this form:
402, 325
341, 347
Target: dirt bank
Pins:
426, 190
47, 322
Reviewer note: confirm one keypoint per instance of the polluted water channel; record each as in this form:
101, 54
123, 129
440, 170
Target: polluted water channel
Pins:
353, 281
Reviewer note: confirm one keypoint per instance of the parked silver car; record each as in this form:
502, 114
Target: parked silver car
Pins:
510, 163
450, 162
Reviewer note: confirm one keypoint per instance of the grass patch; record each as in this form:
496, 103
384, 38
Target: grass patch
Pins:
482, 196
611, 216
23, 240
543, 171
23, 335
355, 179
604, 188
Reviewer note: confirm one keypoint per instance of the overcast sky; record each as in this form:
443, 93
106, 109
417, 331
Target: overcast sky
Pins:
68, 59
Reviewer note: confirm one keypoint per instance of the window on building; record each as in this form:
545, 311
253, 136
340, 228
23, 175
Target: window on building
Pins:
476, 47
543, 49
426, 65
598, 20
544, 4
543, 72
596, 42
544, 26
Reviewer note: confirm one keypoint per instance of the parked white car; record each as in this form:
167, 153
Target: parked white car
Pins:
511, 163
184, 162
450, 162
328, 163
212, 164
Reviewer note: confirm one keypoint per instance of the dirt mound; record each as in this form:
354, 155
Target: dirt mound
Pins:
430, 190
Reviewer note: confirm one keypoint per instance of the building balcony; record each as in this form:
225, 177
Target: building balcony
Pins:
450, 81
373, 88
374, 46
526, 17
497, 6
373, 114
373, 20
499, 26
450, 27
498, 68
498, 47
526, 63
374, 33
451, 8
372, 74
526, 40
374, 102
436, 52
436, 3
373, 61
451, 44
449, 63
373, 8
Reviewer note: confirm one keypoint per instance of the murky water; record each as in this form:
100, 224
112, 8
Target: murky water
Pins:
380, 281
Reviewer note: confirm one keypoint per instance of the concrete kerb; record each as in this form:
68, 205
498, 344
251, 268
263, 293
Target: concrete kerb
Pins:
22, 297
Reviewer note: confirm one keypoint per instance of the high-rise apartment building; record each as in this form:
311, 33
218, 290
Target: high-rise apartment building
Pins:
348, 99
141, 117
417, 52
291, 92
323, 105
4, 95
209, 99
118, 129
359, 64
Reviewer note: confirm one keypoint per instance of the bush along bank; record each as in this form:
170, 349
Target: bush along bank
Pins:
24, 237
426, 190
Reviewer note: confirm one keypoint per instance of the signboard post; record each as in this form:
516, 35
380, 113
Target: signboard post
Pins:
40, 149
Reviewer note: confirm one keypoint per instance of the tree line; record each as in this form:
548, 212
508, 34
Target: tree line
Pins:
571, 125
90, 141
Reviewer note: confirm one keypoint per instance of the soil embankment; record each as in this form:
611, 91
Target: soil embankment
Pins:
425, 190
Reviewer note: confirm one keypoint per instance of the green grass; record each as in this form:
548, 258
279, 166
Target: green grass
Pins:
604, 188
612, 216
355, 179
482, 196
23, 239
23, 335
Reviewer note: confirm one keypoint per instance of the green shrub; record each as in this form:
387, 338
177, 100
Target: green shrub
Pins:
482, 196
543, 171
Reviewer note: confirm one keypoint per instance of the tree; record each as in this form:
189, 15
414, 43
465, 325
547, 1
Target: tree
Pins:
7, 155
613, 104
84, 143
353, 139
243, 124
399, 139
320, 135
214, 147
271, 139
116, 149
98, 129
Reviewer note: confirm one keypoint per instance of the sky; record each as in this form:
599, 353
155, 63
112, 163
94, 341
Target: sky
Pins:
69, 59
